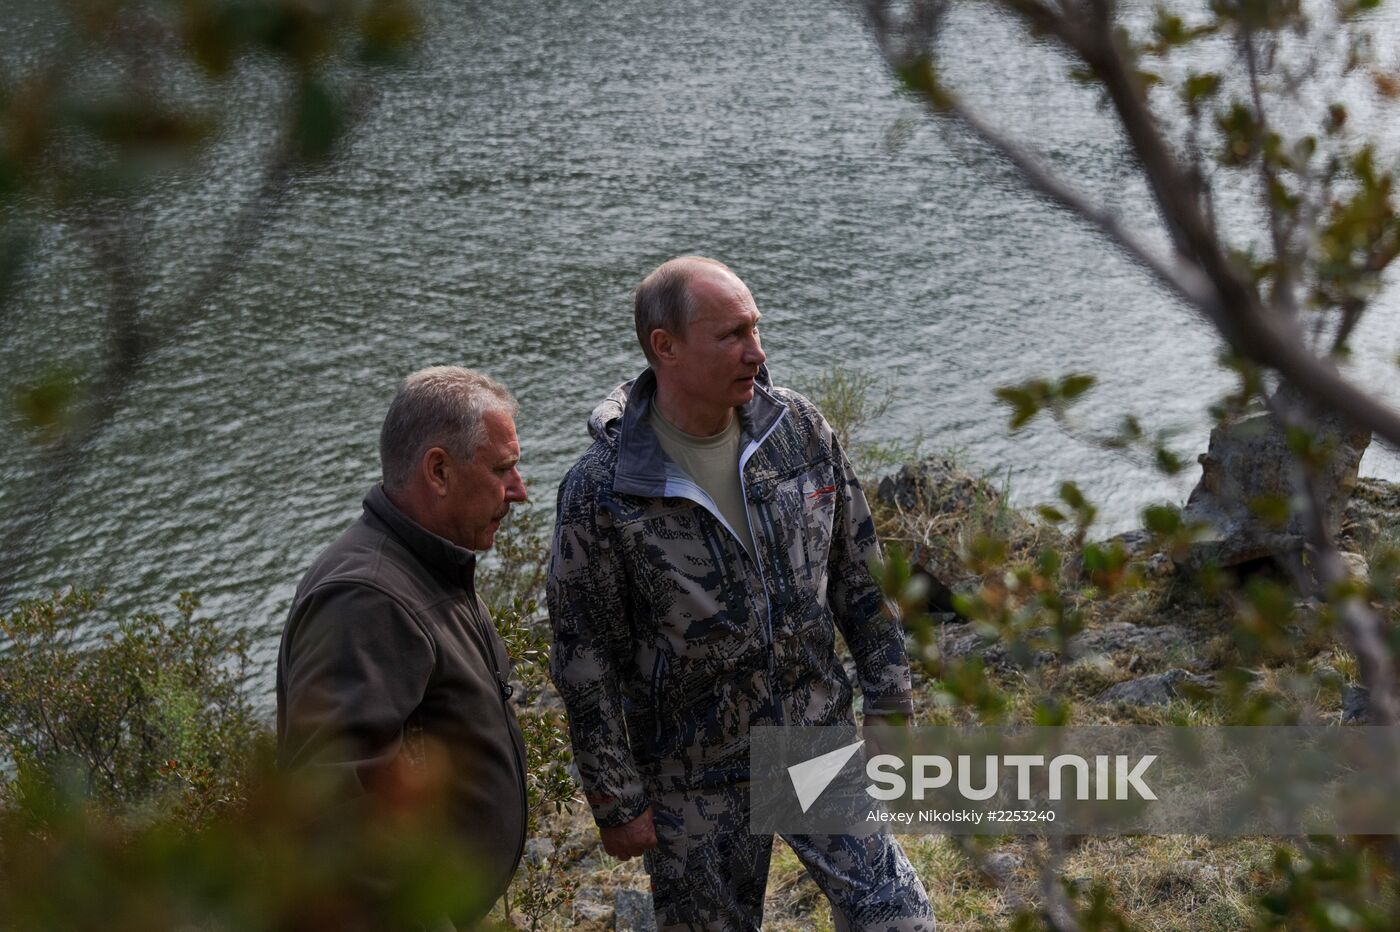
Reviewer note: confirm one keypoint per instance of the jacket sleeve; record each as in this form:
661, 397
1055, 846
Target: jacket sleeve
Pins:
874, 635
357, 664
587, 609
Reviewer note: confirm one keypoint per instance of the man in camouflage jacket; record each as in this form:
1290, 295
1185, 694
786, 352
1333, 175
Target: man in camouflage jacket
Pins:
678, 627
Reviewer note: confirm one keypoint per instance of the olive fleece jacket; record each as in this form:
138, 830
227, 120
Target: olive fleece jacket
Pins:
388, 645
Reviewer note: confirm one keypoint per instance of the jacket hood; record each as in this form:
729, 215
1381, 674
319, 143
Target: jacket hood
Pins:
622, 423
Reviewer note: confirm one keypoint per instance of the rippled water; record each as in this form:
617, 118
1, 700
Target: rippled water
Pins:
505, 196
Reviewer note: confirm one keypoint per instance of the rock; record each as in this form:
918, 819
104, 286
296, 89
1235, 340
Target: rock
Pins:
963, 640
549, 700
959, 641
1081, 884
592, 904
1250, 459
1158, 641
1356, 705
1356, 564
1136, 543
1159, 565
937, 486
1001, 866
634, 911
1157, 689
538, 851
940, 597
1372, 514
1180, 876
1327, 675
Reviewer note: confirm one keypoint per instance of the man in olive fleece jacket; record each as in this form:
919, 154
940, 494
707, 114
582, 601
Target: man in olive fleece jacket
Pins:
388, 652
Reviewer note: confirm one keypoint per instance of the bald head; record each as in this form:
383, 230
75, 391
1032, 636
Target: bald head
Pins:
665, 300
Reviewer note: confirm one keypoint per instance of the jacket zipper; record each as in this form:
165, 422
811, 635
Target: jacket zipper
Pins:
704, 501
505, 690
762, 580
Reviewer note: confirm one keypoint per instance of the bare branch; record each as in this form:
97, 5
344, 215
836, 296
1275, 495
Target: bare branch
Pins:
1283, 264
1182, 279
1202, 274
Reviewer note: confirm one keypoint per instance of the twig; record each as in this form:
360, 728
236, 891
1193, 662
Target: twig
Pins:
1283, 265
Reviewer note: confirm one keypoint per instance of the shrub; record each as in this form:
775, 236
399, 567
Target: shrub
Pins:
149, 714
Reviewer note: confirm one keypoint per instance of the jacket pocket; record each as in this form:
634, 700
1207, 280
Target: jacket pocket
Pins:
810, 672
802, 511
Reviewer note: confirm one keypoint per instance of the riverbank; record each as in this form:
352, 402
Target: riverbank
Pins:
1151, 648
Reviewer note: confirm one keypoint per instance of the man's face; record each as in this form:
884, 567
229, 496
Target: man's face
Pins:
719, 355
480, 491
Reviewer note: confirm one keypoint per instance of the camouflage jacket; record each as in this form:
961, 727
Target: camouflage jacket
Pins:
670, 641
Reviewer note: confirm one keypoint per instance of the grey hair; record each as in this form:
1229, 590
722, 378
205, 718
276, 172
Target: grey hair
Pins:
441, 406
663, 300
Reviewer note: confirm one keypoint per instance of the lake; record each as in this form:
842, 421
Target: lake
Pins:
505, 195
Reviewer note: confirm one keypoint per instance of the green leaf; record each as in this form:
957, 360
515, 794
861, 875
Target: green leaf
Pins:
1197, 87
388, 29
1239, 131
1162, 520
1273, 509
46, 406
920, 75
1167, 462
1072, 386
1051, 711
1024, 404
1070, 494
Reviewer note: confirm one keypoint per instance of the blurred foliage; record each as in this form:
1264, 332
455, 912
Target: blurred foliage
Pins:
112, 98
131, 88
69, 861
138, 790
152, 713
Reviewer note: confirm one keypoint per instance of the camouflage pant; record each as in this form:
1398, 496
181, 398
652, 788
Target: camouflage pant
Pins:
708, 872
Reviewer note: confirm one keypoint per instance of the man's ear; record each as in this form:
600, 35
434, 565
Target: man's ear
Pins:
433, 468
663, 345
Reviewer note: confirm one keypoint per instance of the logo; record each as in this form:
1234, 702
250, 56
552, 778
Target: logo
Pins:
811, 777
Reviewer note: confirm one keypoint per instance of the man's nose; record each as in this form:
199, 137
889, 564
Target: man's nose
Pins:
753, 353
515, 491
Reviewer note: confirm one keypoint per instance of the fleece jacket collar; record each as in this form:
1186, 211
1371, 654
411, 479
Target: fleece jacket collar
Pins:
444, 558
